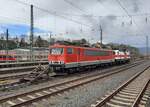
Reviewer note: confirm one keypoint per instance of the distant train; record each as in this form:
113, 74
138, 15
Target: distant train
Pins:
67, 59
5, 57
38, 54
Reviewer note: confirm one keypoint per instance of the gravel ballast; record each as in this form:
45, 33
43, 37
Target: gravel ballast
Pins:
52, 81
84, 96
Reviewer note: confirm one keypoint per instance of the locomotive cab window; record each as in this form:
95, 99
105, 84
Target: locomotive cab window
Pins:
69, 51
56, 51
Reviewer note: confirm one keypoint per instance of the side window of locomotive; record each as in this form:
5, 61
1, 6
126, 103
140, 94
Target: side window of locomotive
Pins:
91, 53
87, 52
104, 53
107, 53
69, 51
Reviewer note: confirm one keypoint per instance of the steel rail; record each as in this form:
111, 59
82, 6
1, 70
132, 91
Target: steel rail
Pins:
140, 95
21, 64
109, 97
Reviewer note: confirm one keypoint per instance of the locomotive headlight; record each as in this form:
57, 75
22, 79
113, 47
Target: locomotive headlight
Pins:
56, 62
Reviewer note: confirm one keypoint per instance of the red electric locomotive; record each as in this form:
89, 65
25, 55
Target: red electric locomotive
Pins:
72, 57
121, 57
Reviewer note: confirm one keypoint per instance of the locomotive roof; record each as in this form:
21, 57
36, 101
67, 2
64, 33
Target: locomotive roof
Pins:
70, 46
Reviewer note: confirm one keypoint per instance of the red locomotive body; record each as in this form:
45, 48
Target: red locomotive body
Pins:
62, 56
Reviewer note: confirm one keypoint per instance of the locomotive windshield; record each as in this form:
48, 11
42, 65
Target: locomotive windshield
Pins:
56, 51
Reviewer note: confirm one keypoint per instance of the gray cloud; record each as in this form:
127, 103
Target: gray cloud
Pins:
87, 12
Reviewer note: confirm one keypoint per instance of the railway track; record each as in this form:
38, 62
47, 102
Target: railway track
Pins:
28, 98
16, 72
133, 93
16, 69
13, 75
10, 81
21, 64
13, 79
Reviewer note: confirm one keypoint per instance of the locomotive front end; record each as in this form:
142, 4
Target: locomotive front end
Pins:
56, 57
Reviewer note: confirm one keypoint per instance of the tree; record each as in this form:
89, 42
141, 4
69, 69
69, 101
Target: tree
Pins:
11, 44
22, 43
2, 38
41, 43
134, 51
83, 41
38, 42
2, 43
16, 39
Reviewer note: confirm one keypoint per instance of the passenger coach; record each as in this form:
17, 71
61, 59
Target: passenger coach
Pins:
5, 57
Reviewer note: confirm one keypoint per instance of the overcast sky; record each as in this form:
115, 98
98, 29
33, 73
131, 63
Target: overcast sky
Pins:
122, 21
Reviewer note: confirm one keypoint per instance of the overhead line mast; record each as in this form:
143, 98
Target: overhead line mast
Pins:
31, 33
7, 34
147, 47
101, 36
